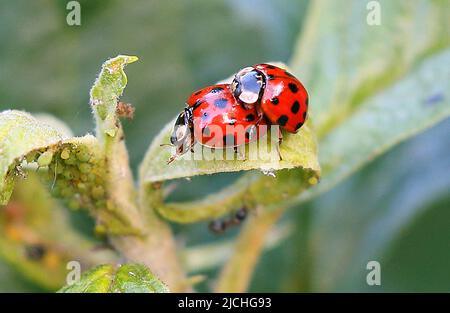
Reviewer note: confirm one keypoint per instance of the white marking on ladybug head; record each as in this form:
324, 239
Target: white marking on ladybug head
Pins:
248, 96
247, 85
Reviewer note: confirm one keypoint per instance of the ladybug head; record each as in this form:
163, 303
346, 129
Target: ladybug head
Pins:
182, 128
247, 86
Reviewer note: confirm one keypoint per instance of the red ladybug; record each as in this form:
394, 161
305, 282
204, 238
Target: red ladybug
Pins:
274, 92
215, 119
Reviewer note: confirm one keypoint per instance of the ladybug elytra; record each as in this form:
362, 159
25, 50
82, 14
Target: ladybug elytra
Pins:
215, 119
274, 92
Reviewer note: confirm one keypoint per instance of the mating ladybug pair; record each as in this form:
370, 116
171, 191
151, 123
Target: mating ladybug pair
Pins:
228, 115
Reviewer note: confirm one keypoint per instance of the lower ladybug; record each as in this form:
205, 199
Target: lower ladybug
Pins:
274, 92
215, 119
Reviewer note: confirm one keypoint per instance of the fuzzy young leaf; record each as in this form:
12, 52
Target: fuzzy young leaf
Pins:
105, 93
25, 140
128, 278
75, 166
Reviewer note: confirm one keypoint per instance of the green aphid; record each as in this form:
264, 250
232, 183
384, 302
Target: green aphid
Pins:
74, 204
101, 204
71, 160
82, 186
83, 155
67, 192
98, 192
45, 158
91, 177
65, 154
55, 167
84, 177
110, 205
100, 229
84, 168
56, 191
68, 174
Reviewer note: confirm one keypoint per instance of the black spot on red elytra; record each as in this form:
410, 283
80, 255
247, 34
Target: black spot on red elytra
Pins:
198, 92
221, 103
282, 120
293, 87
270, 66
295, 107
298, 125
275, 100
250, 118
216, 89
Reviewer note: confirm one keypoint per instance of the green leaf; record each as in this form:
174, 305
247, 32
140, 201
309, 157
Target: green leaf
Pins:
343, 61
137, 278
297, 150
127, 278
299, 169
96, 280
410, 106
372, 86
402, 223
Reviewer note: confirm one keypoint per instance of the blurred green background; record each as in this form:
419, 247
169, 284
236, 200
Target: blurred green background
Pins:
396, 210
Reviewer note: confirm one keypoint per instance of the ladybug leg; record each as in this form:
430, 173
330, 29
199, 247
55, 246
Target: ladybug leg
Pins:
280, 140
280, 136
192, 143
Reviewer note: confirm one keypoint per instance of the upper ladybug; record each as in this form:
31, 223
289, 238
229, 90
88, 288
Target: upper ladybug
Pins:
274, 92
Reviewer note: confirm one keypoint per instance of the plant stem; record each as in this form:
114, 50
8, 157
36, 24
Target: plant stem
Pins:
237, 272
154, 245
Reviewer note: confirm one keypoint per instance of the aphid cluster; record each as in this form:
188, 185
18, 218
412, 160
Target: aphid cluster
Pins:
259, 95
73, 174
220, 226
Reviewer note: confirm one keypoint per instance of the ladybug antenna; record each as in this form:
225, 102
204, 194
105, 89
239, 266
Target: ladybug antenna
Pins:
171, 159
